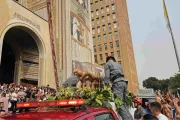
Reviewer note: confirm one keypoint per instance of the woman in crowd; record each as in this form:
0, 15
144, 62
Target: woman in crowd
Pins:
10, 94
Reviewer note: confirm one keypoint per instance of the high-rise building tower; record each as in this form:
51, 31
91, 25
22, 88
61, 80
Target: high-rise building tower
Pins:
112, 36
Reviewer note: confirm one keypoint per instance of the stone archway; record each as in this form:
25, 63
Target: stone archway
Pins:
7, 66
29, 55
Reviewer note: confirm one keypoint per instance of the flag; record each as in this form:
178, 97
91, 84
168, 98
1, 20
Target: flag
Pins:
166, 16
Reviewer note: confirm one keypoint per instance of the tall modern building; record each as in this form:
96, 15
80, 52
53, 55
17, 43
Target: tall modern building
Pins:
112, 36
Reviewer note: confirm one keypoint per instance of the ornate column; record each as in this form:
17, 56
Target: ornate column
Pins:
61, 15
41, 80
18, 71
66, 38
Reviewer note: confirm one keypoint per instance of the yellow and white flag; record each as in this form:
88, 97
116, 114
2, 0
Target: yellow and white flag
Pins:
166, 16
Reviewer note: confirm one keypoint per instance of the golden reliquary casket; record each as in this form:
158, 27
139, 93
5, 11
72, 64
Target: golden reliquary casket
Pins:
89, 80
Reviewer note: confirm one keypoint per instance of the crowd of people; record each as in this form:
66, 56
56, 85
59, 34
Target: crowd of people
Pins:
164, 107
10, 94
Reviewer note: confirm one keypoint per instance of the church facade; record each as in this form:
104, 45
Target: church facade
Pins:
25, 46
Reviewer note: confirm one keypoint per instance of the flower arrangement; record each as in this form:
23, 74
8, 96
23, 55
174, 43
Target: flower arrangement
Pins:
94, 97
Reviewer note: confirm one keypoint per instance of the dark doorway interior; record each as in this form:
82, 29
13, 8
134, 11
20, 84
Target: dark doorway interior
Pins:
7, 64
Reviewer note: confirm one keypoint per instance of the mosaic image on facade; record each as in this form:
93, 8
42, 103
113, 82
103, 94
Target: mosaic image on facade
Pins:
79, 31
84, 4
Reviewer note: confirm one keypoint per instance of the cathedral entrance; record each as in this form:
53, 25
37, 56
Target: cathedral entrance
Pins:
20, 60
7, 64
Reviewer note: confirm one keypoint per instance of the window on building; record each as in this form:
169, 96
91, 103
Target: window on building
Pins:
91, 3
111, 44
105, 116
109, 26
92, 21
115, 25
98, 29
96, 2
104, 36
97, 20
102, 10
114, 16
93, 31
118, 54
113, 7
117, 43
94, 48
102, 18
99, 38
94, 39
108, 17
110, 35
105, 46
106, 54
101, 1
104, 28
101, 57
116, 33
107, 8
92, 14
95, 58
97, 12
100, 47
112, 54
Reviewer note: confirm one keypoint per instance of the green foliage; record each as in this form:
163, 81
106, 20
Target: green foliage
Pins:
51, 98
118, 102
165, 85
156, 84
151, 83
172, 83
129, 99
93, 97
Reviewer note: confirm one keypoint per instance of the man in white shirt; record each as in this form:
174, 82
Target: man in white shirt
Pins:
14, 101
21, 95
155, 108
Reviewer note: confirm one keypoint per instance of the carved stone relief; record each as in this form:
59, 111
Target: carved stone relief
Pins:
36, 4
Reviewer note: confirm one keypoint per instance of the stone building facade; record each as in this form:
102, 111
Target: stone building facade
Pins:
25, 47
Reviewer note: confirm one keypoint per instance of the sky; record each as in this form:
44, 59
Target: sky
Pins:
153, 47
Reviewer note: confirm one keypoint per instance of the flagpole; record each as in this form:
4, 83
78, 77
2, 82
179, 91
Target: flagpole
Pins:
175, 48
173, 40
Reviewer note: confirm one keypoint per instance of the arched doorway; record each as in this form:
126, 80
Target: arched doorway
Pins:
22, 46
7, 64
